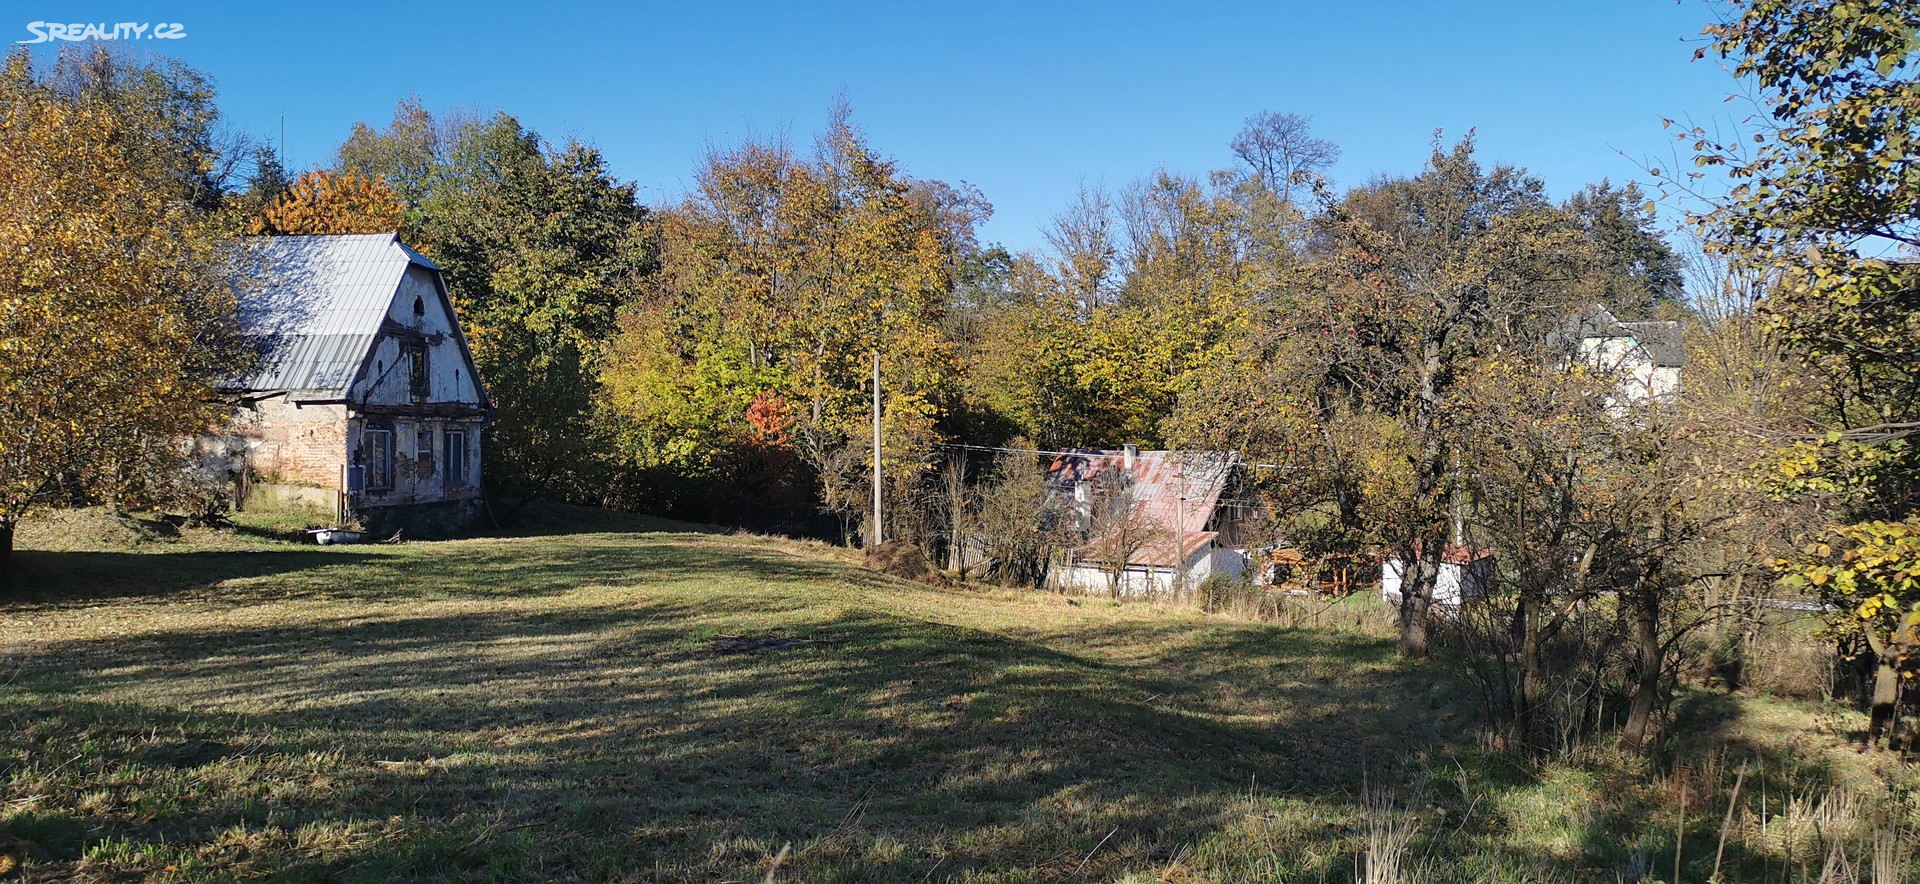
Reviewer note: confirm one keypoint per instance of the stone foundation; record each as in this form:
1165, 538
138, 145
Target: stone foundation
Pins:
436, 520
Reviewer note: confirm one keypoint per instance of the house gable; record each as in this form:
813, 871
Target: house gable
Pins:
336, 318
418, 326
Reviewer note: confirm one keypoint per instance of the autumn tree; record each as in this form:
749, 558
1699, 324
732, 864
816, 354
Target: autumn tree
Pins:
1281, 152
117, 315
1016, 520
1416, 280
1091, 344
787, 272
1538, 452
171, 106
1122, 526
242, 209
1086, 249
325, 203
540, 246
1189, 287
1634, 272
1022, 338
1824, 198
410, 155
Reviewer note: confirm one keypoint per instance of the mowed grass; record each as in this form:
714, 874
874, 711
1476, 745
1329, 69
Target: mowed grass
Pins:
680, 706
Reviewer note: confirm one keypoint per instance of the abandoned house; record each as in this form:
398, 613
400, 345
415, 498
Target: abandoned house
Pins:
1151, 522
1647, 355
365, 404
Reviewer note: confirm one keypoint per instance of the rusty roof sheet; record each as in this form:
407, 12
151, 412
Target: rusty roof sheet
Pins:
316, 303
1172, 491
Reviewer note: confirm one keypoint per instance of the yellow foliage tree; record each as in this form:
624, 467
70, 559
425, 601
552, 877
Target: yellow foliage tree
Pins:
787, 274
116, 316
323, 202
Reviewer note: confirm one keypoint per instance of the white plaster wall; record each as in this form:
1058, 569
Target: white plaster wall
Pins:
1639, 377
419, 476
1229, 563
1455, 583
387, 380
1090, 578
1665, 380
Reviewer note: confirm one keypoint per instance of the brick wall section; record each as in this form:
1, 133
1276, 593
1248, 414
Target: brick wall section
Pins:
295, 445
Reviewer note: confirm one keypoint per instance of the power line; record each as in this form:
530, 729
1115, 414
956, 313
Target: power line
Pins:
1111, 454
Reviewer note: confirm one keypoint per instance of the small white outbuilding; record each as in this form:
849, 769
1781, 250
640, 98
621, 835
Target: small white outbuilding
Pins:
1465, 574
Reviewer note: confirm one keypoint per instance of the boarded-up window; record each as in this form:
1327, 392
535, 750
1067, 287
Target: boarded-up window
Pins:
456, 457
377, 454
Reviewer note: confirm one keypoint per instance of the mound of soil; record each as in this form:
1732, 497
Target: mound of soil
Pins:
901, 559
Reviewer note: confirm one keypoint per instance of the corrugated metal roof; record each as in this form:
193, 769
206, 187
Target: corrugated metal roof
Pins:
1171, 490
317, 302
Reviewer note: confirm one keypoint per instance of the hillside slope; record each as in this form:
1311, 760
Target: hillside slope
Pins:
682, 706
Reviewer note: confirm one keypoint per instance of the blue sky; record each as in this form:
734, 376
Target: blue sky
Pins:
1023, 100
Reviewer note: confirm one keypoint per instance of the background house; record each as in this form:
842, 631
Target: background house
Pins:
366, 402
1647, 355
1163, 512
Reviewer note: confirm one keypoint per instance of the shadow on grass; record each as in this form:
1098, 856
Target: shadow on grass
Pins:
60, 578
481, 568
1705, 750
617, 737
279, 533
547, 518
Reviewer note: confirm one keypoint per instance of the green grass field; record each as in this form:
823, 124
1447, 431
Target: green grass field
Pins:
669, 705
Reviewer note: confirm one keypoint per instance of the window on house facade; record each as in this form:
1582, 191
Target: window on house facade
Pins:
417, 382
456, 469
423, 446
377, 448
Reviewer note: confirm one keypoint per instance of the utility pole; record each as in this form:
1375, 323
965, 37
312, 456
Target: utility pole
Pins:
878, 531
1179, 525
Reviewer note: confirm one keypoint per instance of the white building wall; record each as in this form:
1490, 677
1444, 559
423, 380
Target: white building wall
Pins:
1139, 581
1639, 377
1455, 583
1664, 380
383, 397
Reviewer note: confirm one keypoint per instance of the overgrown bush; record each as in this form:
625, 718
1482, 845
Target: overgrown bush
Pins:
1237, 596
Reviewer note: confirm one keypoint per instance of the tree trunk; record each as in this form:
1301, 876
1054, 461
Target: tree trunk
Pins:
1886, 690
1645, 614
1526, 713
1886, 698
1416, 600
6, 551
